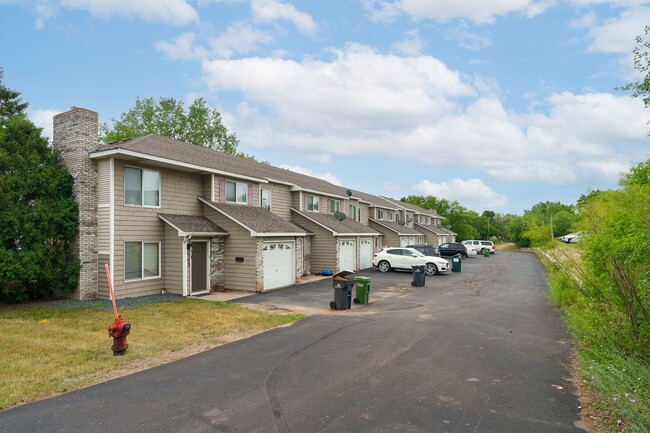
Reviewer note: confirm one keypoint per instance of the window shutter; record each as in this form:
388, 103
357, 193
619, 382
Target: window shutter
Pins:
222, 190
250, 194
306, 202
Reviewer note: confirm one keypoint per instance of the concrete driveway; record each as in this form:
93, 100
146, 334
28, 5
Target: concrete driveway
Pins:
475, 351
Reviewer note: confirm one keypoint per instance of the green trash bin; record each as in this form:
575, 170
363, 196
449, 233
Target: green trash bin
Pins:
456, 263
362, 285
486, 252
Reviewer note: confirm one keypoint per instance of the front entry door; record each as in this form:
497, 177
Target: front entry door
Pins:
199, 267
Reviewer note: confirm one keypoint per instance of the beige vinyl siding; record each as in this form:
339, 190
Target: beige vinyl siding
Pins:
365, 211
172, 261
179, 191
297, 201
102, 282
390, 238
237, 275
104, 182
103, 229
430, 238
207, 186
280, 199
323, 245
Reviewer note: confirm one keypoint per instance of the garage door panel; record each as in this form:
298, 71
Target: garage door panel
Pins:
279, 259
366, 252
347, 255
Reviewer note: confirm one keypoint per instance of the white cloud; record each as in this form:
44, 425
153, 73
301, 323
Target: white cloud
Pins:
182, 48
239, 38
472, 193
329, 177
176, 12
618, 35
444, 10
42, 118
274, 10
411, 45
469, 40
362, 102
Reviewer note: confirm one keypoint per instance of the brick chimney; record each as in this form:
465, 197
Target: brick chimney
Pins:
75, 135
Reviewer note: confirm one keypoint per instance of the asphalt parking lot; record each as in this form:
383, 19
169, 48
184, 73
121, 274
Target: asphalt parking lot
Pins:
476, 351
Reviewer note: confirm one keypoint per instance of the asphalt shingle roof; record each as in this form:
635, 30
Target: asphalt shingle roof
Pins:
192, 224
256, 218
402, 230
375, 200
175, 150
413, 207
347, 226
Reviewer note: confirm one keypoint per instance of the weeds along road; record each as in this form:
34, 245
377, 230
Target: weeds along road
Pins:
475, 351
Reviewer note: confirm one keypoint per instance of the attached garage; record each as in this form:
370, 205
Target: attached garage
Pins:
365, 253
279, 260
347, 254
403, 241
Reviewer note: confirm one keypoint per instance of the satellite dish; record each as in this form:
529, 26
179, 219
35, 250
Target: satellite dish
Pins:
340, 216
409, 219
348, 193
401, 222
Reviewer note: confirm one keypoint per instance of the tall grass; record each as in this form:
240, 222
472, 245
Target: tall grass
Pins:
612, 368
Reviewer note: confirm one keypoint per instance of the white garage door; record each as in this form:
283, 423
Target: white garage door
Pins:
403, 241
278, 264
412, 240
365, 251
347, 255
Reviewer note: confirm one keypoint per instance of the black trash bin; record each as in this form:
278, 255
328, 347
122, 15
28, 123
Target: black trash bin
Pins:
342, 291
418, 276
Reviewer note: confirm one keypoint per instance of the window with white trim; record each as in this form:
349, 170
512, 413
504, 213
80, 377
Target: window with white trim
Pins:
352, 211
380, 214
335, 205
391, 215
141, 187
237, 192
141, 260
313, 203
265, 199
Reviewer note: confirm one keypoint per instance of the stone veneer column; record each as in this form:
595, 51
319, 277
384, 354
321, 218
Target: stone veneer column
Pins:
217, 262
75, 135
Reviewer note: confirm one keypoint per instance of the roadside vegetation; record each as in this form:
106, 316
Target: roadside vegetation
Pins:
47, 350
602, 284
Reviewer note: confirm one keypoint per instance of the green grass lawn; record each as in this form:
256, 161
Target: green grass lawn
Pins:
48, 350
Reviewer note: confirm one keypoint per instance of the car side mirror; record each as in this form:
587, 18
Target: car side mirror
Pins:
413, 255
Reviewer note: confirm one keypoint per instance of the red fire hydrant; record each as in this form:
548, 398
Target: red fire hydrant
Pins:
120, 327
119, 330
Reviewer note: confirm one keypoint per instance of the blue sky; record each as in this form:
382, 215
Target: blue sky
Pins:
498, 104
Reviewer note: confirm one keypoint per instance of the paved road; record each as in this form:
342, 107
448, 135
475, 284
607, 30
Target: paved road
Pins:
477, 351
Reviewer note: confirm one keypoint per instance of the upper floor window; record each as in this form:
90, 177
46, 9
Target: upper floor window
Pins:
335, 206
380, 214
352, 211
391, 216
141, 187
313, 203
237, 192
265, 199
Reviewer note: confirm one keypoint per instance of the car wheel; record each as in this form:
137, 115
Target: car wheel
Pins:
384, 266
430, 269
483, 250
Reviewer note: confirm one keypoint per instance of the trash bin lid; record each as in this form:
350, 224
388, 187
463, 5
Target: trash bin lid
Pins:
363, 279
342, 274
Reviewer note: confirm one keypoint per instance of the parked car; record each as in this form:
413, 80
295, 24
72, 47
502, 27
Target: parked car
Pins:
481, 246
471, 250
404, 258
571, 237
427, 250
452, 248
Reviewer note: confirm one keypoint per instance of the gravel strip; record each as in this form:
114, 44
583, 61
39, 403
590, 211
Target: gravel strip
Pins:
106, 304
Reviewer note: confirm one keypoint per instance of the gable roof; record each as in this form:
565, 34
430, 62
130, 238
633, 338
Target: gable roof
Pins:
329, 222
434, 229
259, 221
412, 207
395, 227
192, 225
167, 151
374, 200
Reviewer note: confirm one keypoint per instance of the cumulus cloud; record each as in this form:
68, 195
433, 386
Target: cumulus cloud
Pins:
361, 102
444, 10
411, 45
42, 118
273, 10
618, 35
472, 193
329, 177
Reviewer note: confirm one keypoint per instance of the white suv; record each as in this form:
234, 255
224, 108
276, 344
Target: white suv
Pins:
480, 246
405, 258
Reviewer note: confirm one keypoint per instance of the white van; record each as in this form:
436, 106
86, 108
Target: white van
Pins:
480, 246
